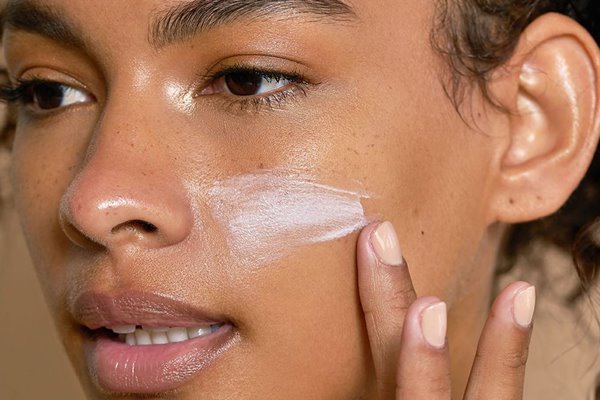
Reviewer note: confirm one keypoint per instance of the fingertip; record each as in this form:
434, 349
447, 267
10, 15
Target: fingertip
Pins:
423, 368
385, 244
517, 303
427, 323
434, 325
364, 252
524, 306
364, 237
378, 245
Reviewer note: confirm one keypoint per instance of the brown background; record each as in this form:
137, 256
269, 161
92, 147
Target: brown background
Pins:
32, 363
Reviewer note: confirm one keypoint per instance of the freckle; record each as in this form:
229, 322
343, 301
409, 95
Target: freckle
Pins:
538, 197
511, 201
422, 233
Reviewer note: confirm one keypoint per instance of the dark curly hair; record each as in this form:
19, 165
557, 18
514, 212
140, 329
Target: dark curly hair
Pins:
477, 36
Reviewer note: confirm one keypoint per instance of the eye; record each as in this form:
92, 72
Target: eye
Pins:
46, 96
245, 83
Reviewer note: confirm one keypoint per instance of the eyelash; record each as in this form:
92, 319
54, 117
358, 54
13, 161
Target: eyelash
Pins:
276, 100
16, 93
19, 93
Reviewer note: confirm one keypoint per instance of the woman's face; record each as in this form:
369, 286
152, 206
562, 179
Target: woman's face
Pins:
209, 163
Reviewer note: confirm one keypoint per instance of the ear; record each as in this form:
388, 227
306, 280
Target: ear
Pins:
551, 88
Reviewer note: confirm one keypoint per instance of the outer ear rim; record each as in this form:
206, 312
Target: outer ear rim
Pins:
505, 88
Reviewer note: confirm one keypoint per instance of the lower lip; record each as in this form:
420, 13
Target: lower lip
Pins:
120, 368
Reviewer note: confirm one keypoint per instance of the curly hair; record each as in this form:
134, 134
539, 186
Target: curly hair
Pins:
477, 36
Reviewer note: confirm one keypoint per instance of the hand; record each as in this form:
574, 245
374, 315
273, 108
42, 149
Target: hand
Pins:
407, 334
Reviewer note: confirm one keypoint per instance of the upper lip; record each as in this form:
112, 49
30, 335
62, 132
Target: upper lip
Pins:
96, 310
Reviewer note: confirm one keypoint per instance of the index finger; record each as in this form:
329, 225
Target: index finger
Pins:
386, 292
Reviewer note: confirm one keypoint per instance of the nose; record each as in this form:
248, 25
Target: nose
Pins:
119, 200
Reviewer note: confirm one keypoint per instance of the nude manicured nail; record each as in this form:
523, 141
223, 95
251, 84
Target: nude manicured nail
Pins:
386, 245
433, 325
524, 306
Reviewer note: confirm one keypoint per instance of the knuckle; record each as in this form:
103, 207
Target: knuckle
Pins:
402, 297
434, 385
439, 385
511, 360
515, 360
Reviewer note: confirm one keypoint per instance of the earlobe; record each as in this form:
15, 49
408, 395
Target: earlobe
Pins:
552, 96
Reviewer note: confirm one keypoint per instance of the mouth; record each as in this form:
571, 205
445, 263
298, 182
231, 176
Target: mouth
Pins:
139, 343
139, 335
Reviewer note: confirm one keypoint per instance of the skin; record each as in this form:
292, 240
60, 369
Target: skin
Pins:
375, 115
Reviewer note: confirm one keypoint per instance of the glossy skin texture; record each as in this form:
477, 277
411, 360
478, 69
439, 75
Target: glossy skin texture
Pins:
152, 138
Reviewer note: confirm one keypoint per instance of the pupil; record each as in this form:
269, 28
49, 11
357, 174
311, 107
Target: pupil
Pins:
48, 96
244, 83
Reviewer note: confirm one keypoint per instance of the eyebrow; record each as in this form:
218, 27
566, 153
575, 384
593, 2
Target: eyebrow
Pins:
175, 24
183, 21
41, 20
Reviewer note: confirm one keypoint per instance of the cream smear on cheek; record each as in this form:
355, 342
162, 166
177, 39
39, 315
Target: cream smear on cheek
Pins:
268, 215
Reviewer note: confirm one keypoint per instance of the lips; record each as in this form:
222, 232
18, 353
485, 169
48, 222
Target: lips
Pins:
145, 343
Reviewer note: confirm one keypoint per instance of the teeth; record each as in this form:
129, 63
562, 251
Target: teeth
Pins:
197, 332
159, 338
142, 337
130, 339
176, 335
155, 329
123, 329
145, 337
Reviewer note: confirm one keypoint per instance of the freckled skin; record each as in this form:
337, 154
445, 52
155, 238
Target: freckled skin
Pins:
379, 116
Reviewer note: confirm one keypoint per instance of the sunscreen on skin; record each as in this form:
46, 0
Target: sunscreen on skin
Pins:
267, 215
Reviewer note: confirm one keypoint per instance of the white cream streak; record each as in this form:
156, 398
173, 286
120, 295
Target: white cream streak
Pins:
269, 215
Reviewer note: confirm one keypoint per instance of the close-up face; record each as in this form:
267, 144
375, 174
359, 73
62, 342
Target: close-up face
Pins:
206, 166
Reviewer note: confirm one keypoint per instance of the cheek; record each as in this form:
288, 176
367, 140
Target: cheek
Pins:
42, 169
304, 321
431, 174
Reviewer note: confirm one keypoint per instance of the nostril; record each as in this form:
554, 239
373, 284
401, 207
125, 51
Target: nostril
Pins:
137, 225
147, 226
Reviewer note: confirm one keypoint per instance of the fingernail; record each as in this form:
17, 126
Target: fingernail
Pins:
433, 325
386, 245
524, 306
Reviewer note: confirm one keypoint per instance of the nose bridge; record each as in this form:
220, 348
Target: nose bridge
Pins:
127, 191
